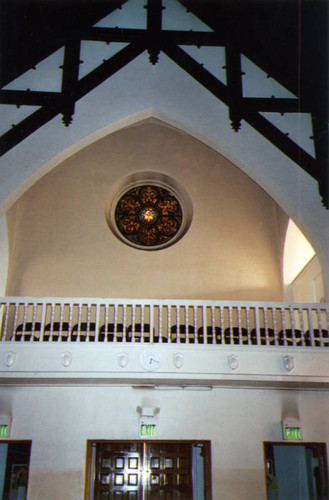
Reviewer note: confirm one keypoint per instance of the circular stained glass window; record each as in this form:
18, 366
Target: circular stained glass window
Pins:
148, 216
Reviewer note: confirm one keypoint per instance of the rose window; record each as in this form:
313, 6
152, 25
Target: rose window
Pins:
148, 216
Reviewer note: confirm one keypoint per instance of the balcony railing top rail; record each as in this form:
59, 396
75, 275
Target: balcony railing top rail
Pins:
25, 319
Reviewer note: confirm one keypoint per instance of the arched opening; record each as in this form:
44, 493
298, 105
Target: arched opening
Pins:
302, 275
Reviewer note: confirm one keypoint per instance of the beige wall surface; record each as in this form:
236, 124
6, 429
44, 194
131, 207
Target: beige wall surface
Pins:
60, 420
60, 244
308, 285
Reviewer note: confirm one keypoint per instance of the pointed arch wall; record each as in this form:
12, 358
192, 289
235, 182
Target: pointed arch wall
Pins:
286, 202
61, 244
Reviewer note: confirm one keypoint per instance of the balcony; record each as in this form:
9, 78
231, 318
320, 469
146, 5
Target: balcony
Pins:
195, 344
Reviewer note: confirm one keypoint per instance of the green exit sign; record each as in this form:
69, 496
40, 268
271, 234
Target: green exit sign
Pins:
4, 431
291, 431
148, 427
148, 430
5, 424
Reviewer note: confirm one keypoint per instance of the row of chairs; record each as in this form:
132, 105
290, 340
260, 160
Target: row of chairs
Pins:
57, 331
110, 333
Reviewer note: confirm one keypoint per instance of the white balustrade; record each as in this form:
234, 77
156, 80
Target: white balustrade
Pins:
164, 321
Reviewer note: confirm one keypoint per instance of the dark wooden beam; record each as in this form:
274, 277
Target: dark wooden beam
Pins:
197, 71
126, 35
40, 98
257, 121
234, 85
321, 144
282, 142
43, 115
153, 28
31, 98
70, 79
233, 64
107, 69
26, 127
274, 105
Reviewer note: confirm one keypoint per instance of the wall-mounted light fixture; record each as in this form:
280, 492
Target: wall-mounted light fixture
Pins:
147, 411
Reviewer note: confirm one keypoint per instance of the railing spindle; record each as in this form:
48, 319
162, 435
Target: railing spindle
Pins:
142, 334
106, 312
15, 323
152, 322
34, 306
239, 325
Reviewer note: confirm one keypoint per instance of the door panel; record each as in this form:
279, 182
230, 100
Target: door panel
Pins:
118, 469
169, 471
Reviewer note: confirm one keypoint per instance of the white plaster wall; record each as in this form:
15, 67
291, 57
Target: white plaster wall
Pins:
59, 421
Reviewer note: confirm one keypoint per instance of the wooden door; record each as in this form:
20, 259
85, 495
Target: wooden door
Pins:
169, 471
149, 470
118, 471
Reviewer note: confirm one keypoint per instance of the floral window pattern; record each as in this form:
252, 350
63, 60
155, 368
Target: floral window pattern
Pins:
148, 216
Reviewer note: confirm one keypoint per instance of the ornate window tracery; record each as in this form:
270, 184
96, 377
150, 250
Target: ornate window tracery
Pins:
148, 215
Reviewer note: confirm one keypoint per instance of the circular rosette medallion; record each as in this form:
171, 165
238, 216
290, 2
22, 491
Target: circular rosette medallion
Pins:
148, 216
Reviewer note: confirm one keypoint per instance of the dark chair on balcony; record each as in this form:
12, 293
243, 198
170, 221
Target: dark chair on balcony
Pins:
324, 336
318, 335
157, 338
290, 337
112, 332
266, 337
235, 335
213, 335
186, 334
83, 331
138, 333
24, 332
56, 331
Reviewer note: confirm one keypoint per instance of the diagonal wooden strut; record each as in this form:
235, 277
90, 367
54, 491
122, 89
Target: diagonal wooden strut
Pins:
46, 113
255, 119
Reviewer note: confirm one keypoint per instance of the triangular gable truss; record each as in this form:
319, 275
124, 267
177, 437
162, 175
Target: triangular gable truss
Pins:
155, 40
